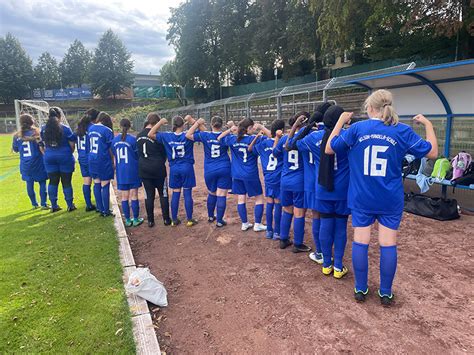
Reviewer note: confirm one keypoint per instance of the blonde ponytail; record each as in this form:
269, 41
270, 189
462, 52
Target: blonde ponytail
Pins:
381, 101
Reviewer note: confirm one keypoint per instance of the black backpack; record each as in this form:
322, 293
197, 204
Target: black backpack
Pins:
410, 168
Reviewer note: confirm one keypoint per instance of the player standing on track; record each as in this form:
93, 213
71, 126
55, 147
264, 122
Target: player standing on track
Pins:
376, 148
292, 191
101, 166
245, 177
272, 167
217, 172
59, 162
152, 171
82, 144
124, 147
180, 152
32, 170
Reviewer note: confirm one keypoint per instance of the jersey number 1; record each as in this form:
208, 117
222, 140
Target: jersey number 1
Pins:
378, 166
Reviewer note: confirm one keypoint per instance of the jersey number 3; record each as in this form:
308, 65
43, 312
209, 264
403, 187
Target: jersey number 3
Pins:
378, 166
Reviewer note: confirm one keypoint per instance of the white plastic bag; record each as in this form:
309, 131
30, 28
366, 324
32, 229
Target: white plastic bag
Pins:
144, 284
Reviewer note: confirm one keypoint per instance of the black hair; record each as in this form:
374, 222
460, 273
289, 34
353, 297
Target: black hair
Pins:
53, 132
178, 122
125, 124
277, 125
92, 113
293, 119
323, 107
217, 122
152, 118
243, 127
105, 119
331, 116
84, 122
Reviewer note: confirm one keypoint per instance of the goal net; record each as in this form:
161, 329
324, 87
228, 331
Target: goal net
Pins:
38, 109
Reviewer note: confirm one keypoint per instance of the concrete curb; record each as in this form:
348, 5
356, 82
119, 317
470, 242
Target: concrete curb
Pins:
143, 330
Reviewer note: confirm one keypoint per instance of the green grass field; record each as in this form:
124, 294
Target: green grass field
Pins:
60, 276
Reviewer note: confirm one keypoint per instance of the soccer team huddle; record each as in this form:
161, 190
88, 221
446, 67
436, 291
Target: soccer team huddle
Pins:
320, 167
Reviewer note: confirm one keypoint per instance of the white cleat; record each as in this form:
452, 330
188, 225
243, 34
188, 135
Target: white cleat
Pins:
259, 227
316, 257
246, 226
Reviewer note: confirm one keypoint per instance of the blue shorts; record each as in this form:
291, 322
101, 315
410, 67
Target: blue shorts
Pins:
338, 207
362, 219
56, 163
84, 169
292, 198
127, 187
310, 200
106, 173
218, 179
246, 187
272, 191
182, 176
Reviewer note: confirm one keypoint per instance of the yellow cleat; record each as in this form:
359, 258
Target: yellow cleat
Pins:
327, 270
191, 222
338, 274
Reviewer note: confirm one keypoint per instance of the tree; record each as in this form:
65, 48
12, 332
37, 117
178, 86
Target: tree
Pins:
16, 70
169, 74
75, 65
47, 72
111, 68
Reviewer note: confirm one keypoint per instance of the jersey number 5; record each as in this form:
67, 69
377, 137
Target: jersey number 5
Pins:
378, 166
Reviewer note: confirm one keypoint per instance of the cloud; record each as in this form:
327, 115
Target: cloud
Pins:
54, 24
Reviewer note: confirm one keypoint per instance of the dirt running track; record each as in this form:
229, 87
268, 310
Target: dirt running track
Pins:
237, 292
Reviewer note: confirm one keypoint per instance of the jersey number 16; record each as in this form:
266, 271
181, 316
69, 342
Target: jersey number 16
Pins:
378, 166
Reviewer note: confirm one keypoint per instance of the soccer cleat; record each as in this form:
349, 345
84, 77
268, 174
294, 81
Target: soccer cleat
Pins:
360, 296
386, 300
269, 234
166, 222
191, 222
211, 219
276, 236
221, 224
107, 214
55, 209
338, 274
327, 270
35, 207
302, 248
284, 243
259, 227
91, 208
151, 224
128, 222
316, 257
137, 221
46, 207
175, 223
246, 226
72, 208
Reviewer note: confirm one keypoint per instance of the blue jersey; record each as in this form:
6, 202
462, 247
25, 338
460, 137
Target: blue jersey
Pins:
292, 175
271, 165
244, 163
179, 149
63, 148
31, 158
82, 144
216, 156
376, 153
312, 144
100, 141
126, 159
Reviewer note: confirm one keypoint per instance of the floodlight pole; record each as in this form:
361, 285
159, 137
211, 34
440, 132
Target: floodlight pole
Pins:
17, 114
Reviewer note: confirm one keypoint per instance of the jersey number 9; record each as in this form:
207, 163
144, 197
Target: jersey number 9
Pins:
293, 159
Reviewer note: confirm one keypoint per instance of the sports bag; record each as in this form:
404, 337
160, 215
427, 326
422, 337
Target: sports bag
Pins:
441, 169
431, 207
428, 168
410, 165
460, 164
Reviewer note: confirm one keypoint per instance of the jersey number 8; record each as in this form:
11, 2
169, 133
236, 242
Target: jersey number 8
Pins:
215, 151
272, 163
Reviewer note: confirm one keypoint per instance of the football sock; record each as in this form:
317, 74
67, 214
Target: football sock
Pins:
126, 209
388, 268
68, 195
298, 228
315, 229
285, 225
277, 217
326, 238
98, 196
360, 265
43, 193
269, 216
340, 240
53, 195
220, 208
86, 191
188, 203
258, 213
30, 189
211, 204
175, 204
242, 209
135, 209
106, 198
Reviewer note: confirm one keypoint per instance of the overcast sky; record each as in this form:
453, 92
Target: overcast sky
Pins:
52, 25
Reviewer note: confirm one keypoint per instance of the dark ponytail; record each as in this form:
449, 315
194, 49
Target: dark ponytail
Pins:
105, 119
152, 119
217, 122
85, 121
243, 127
277, 125
125, 124
53, 132
92, 113
178, 122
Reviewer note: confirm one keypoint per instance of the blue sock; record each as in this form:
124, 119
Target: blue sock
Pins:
340, 240
43, 193
285, 225
298, 228
211, 204
98, 196
188, 203
53, 195
388, 268
360, 265
315, 229
326, 238
30, 189
242, 209
277, 218
258, 213
106, 198
86, 191
175, 204
269, 216
68, 195
220, 207
135, 209
126, 209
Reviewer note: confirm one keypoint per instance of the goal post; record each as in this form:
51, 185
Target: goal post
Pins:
38, 109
